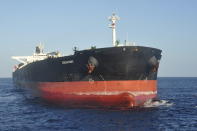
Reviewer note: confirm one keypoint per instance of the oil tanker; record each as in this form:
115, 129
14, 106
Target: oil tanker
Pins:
122, 76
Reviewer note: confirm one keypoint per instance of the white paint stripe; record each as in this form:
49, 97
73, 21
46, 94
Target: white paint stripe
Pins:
137, 93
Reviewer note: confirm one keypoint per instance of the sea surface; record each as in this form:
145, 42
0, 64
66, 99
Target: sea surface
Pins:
176, 110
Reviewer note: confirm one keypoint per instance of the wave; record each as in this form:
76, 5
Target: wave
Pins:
157, 103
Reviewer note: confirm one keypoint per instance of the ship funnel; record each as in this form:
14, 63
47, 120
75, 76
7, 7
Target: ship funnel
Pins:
113, 19
39, 49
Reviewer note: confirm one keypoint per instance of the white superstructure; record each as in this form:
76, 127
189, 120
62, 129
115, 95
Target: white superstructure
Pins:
37, 56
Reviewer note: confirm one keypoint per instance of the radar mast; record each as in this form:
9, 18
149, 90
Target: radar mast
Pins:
113, 19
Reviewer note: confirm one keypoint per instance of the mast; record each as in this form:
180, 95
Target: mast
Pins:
113, 19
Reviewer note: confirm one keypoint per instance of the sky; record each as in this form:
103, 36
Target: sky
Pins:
170, 25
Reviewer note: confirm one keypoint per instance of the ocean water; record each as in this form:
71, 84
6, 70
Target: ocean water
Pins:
176, 110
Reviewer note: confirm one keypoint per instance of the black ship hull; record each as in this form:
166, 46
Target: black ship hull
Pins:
116, 63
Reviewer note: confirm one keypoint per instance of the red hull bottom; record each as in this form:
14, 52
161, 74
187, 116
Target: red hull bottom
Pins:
121, 101
98, 94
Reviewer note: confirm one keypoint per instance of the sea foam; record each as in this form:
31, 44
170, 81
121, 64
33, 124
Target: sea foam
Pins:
157, 103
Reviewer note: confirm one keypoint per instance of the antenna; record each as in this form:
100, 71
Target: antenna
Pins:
126, 41
113, 19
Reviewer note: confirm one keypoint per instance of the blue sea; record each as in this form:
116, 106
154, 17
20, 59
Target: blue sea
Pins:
176, 110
